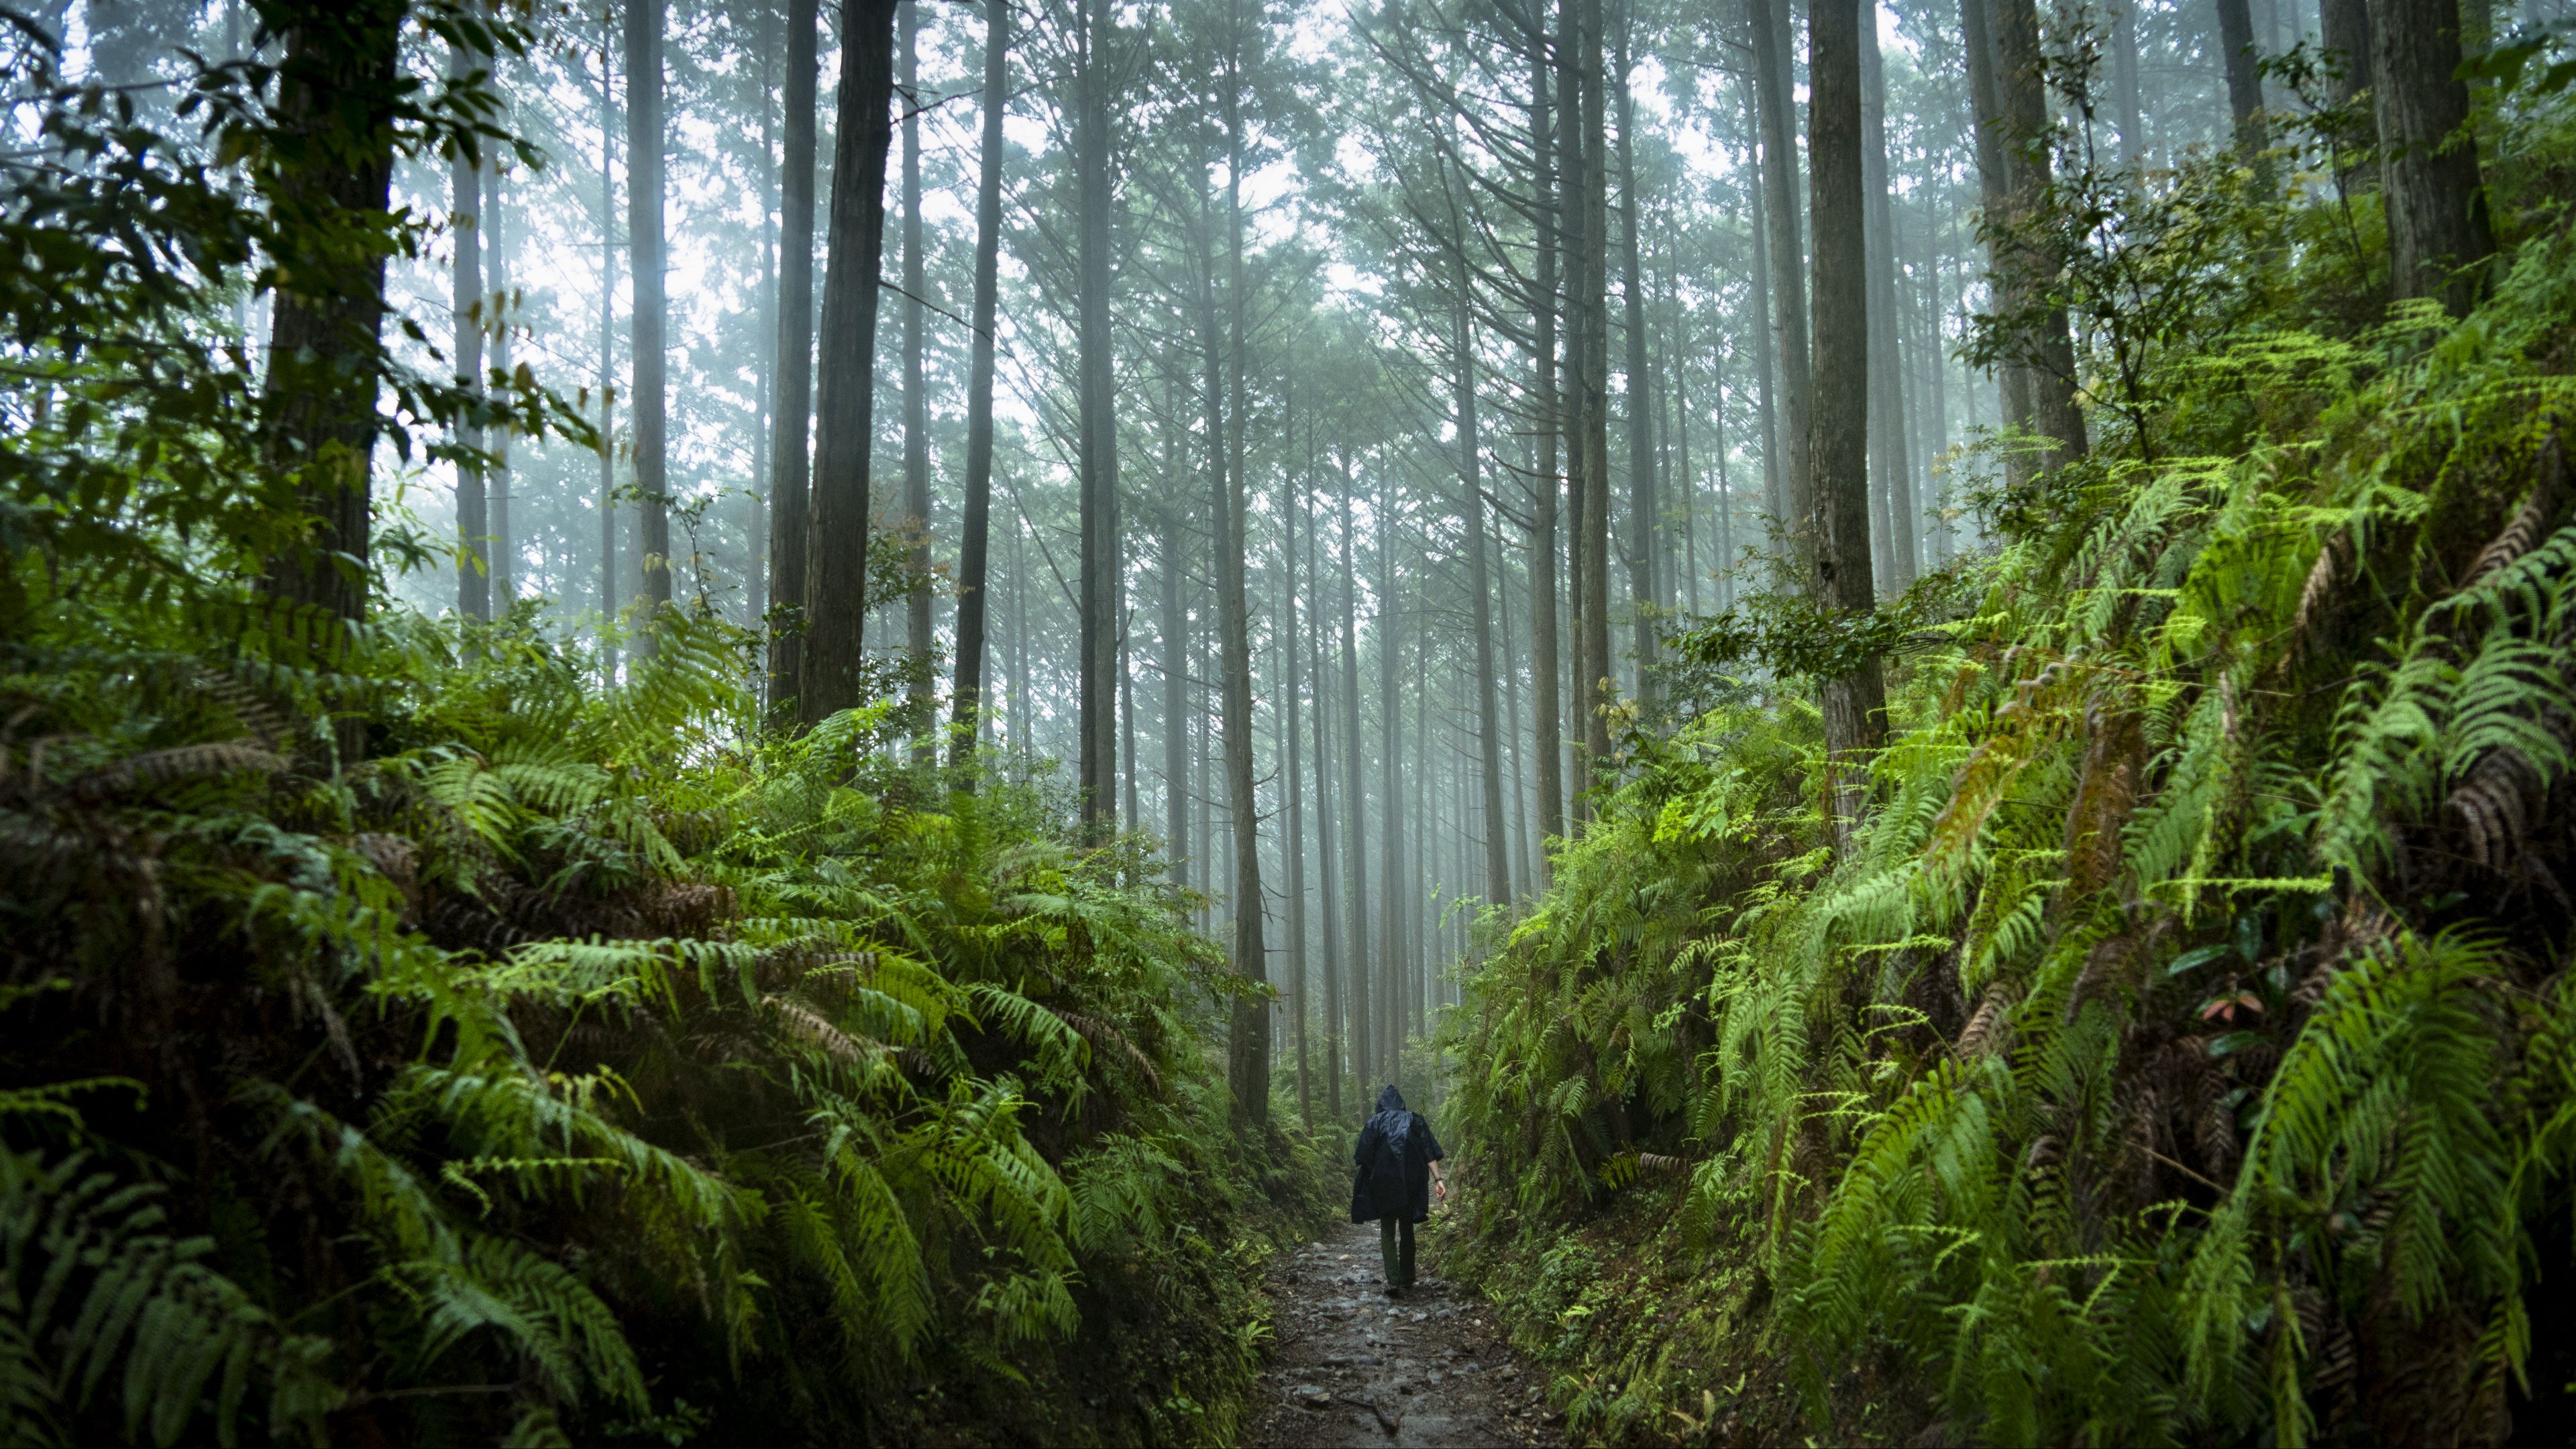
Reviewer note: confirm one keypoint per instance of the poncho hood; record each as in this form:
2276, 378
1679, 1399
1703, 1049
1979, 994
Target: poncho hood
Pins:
1390, 1100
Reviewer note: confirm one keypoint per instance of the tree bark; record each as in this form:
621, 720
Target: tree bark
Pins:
1355, 807
972, 569
1324, 814
336, 96
2244, 73
1293, 851
1787, 256
1574, 158
2437, 210
1644, 505
1886, 385
1775, 506
607, 359
1547, 709
2048, 360
916, 403
496, 219
1097, 433
792, 407
1592, 294
648, 400
2124, 84
1855, 704
1396, 918
465, 230
836, 568
1498, 867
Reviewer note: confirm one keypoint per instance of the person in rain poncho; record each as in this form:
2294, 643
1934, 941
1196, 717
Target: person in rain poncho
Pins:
1398, 1167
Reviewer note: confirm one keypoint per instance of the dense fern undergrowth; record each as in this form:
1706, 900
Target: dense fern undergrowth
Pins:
2185, 1050
576, 1069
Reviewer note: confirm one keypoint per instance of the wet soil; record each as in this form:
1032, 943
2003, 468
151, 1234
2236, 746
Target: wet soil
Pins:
1350, 1367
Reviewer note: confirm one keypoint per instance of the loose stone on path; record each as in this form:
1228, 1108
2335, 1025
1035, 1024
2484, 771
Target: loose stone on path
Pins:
1349, 1367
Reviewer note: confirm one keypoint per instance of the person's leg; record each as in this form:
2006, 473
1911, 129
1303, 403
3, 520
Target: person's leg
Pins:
1406, 1254
1386, 1248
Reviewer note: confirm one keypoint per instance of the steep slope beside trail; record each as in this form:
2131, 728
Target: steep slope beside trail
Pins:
1352, 1368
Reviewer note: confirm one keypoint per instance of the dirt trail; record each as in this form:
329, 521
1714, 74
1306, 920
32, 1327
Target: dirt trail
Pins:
1351, 1368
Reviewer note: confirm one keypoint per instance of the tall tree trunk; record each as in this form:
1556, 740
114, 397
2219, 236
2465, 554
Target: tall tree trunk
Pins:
1886, 383
1324, 809
1524, 868
2242, 60
1354, 810
1573, 163
1547, 708
972, 569
791, 412
1775, 503
1994, 198
1097, 432
1172, 629
607, 358
755, 563
836, 567
2437, 208
2346, 38
916, 402
1593, 296
1292, 774
1855, 704
1787, 255
2124, 83
1645, 507
465, 229
648, 400
2049, 351
505, 562
1498, 868
1390, 728
336, 98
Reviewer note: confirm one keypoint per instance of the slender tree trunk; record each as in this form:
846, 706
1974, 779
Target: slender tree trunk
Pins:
1524, 868
1355, 806
1390, 727
792, 410
2244, 77
1786, 254
2437, 208
336, 95
505, 560
649, 400
1498, 869
1097, 437
836, 569
1645, 508
1293, 851
1775, 503
1324, 814
971, 566
1855, 704
2049, 352
607, 359
2346, 26
1172, 629
1593, 294
916, 402
1547, 709
1886, 382
2124, 83
465, 229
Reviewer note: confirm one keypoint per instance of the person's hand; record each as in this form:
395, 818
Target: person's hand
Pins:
1441, 1188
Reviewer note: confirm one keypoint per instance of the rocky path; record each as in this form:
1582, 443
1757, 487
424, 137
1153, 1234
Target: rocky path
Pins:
1351, 1368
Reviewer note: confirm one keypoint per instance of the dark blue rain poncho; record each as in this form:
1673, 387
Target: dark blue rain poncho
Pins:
1393, 1158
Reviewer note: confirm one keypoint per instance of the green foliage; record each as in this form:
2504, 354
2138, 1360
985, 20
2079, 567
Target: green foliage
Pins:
2178, 1054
